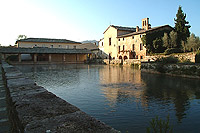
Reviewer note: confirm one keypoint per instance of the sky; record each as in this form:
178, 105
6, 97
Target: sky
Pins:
80, 20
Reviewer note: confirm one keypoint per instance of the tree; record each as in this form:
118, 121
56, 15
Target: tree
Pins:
173, 39
181, 27
193, 43
158, 45
21, 37
165, 40
184, 46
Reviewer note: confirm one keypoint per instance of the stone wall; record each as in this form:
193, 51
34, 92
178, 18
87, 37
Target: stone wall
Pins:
37, 110
181, 56
183, 70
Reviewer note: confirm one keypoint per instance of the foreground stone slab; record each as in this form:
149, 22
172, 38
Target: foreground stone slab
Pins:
74, 122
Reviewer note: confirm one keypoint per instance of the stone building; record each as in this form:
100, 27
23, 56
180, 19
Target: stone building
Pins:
126, 43
51, 50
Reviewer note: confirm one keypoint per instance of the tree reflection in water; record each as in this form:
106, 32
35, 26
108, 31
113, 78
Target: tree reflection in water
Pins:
178, 91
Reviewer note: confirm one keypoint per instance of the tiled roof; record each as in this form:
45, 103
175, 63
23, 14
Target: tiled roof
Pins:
122, 28
48, 40
145, 31
90, 46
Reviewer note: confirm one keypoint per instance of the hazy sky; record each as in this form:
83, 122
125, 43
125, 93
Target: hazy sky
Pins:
81, 20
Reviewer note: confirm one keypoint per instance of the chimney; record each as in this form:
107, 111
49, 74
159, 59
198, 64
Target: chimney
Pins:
137, 28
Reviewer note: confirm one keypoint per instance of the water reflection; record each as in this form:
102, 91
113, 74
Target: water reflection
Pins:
179, 91
123, 97
122, 84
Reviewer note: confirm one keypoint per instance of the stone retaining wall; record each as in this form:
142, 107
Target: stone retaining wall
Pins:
183, 70
181, 56
122, 62
36, 110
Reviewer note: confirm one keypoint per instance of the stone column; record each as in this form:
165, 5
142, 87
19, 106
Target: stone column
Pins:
3, 56
19, 58
35, 58
49, 57
64, 58
77, 57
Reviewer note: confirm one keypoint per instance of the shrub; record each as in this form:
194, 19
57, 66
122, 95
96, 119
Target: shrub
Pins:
167, 60
159, 125
197, 57
160, 68
172, 50
185, 61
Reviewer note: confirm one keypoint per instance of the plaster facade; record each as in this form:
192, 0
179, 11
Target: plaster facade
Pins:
126, 43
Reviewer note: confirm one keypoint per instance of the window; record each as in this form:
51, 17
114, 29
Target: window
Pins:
141, 46
51, 46
67, 46
119, 49
123, 39
132, 37
119, 39
133, 47
141, 57
102, 43
35, 45
59, 46
140, 36
109, 41
123, 47
74, 47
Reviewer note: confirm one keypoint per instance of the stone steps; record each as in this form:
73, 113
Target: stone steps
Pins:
4, 120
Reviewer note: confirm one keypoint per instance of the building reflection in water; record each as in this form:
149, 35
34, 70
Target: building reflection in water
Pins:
122, 84
125, 84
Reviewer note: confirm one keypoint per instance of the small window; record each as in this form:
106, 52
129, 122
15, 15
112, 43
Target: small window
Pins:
109, 41
141, 57
141, 46
102, 43
74, 47
123, 39
59, 46
35, 45
133, 47
119, 39
140, 36
51, 46
132, 37
119, 49
123, 47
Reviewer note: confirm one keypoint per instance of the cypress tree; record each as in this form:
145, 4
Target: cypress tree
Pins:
181, 27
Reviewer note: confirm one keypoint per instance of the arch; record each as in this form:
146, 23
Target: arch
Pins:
125, 57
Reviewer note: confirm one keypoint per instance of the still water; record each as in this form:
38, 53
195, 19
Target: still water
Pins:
123, 97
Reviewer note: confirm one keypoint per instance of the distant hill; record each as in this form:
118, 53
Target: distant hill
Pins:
91, 41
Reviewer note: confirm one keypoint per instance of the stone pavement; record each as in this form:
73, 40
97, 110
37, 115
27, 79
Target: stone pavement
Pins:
4, 121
